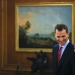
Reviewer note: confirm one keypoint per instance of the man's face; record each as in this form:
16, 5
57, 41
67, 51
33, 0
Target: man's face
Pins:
61, 36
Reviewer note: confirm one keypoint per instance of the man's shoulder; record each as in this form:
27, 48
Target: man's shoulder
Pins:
56, 45
70, 44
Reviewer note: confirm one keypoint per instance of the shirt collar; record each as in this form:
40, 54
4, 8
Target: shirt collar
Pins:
65, 43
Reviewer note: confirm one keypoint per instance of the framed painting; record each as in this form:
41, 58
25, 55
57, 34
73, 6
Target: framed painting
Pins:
35, 22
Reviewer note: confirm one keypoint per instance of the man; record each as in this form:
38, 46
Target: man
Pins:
64, 59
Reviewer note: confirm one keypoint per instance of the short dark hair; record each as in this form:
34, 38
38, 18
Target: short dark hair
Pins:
60, 27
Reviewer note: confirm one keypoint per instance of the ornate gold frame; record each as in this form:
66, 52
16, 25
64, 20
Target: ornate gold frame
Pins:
39, 4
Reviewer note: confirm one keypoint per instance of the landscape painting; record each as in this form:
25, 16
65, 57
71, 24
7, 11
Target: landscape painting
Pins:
35, 25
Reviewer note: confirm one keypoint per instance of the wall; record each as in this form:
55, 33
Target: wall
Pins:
9, 58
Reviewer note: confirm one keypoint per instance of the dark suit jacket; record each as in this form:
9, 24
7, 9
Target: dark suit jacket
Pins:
67, 62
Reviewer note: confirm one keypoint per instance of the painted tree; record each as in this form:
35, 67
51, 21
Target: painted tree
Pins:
27, 26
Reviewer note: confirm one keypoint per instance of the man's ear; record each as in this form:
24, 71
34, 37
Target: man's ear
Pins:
69, 33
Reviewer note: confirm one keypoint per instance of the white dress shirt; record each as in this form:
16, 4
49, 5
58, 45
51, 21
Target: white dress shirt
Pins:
63, 47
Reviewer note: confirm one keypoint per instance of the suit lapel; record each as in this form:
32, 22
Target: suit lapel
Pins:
64, 56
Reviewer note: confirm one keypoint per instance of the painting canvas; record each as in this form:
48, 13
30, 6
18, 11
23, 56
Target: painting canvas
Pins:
35, 25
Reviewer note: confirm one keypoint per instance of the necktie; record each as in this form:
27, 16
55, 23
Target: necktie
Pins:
59, 54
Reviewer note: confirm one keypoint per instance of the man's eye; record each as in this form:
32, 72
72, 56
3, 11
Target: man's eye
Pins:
63, 36
58, 36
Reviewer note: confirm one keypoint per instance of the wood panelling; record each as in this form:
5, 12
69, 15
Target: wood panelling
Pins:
9, 58
0, 35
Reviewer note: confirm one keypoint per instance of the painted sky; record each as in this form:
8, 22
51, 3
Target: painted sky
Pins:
44, 19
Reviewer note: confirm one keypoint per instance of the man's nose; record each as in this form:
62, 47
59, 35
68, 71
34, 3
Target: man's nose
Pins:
61, 39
